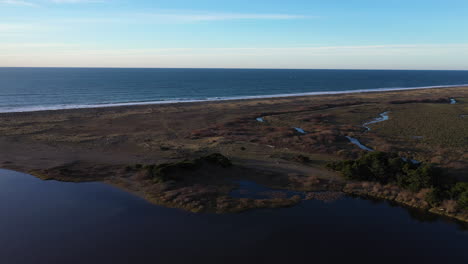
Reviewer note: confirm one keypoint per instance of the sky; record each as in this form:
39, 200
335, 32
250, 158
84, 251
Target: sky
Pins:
310, 34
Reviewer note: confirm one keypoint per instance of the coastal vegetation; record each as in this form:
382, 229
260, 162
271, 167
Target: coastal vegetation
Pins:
190, 155
390, 168
427, 182
166, 171
203, 184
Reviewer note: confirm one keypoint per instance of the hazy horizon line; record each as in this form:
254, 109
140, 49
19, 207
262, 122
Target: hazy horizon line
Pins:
223, 68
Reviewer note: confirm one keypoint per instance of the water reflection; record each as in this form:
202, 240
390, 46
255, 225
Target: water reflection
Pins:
417, 214
55, 222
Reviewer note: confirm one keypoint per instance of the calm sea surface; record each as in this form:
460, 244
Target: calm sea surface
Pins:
54, 223
29, 89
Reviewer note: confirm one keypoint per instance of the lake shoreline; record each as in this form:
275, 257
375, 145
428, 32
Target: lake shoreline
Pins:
366, 190
95, 210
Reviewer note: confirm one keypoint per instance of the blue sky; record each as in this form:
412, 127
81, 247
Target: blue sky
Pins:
363, 34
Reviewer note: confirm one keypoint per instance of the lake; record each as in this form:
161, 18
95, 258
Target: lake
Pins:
55, 222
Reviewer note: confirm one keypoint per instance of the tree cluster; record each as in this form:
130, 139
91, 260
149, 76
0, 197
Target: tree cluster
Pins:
388, 168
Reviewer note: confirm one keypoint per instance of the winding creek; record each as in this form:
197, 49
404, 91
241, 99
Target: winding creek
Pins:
55, 222
358, 143
383, 117
300, 130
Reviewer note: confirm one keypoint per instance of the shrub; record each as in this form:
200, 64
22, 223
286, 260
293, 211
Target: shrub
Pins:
434, 197
149, 170
458, 189
463, 201
389, 168
424, 176
216, 158
161, 172
459, 192
166, 171
302, 159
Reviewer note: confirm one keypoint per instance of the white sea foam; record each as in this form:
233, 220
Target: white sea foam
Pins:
175, 101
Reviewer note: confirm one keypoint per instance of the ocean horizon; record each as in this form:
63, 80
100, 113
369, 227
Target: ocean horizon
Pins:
39, 89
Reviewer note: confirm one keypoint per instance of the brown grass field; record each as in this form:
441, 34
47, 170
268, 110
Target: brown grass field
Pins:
105, 144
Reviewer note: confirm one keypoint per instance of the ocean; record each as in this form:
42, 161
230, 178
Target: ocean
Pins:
34, 89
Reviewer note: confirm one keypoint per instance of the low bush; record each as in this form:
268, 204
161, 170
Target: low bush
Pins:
162, 172
463, 201
459, 192
390, 168
302, 159
434, 197
216, 158
164, 148
165, 171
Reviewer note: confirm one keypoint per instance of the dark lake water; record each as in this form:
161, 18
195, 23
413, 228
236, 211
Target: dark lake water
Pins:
53, 222
30, 89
